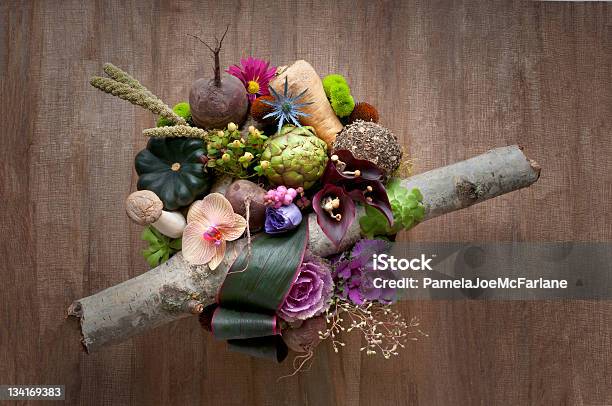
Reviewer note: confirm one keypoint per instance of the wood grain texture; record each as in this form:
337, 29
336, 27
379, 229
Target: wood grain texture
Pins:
451, 79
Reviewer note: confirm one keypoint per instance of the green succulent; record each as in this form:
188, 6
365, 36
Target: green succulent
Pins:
229, 151
182, 109
407, 207
160, 248
294, 157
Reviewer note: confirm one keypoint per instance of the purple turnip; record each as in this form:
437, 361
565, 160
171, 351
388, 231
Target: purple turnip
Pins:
219, 101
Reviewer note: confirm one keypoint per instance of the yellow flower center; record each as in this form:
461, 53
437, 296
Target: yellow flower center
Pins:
213, 235
253, 87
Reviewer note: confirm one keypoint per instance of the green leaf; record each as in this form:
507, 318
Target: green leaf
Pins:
166, 256
232, 324
270, 271
374, 223
254, 289
411, 202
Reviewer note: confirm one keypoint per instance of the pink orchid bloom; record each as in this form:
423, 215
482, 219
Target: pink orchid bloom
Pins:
210, 223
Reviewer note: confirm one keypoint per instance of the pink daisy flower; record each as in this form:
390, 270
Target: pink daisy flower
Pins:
255, 74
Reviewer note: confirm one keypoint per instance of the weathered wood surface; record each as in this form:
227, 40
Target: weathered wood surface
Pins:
452, 80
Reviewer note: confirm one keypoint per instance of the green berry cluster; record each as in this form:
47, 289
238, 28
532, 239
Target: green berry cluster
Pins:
339, 94
407, 207
182, 109
160, 248
228, 151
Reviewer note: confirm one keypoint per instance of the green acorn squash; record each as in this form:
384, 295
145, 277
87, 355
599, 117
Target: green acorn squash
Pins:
172, 169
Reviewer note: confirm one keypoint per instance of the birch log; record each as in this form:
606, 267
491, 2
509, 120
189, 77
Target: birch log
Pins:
174, 289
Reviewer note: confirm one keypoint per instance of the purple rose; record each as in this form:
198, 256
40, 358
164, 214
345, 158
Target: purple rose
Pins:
311, 292
282, 219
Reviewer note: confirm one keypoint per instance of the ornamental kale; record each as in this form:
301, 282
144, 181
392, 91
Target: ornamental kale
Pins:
311, 292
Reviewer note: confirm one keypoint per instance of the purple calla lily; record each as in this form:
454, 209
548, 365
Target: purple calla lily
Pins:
343, 165
345, 179
374, 194
335, 211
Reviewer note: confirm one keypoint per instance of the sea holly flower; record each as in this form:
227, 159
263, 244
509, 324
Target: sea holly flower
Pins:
285, 107
255, 74
282, 219
210, 223
347, 179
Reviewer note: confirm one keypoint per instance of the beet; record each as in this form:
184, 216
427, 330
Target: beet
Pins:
219, 101
215, 106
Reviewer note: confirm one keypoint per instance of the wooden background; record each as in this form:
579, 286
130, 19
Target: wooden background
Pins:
452, 79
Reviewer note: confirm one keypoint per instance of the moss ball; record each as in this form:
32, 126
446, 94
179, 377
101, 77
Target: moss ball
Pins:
364, 111
259, 109
371, 141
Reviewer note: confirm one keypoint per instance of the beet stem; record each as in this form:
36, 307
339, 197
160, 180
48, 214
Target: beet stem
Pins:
215, 52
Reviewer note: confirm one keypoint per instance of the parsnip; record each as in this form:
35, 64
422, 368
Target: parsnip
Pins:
300, 76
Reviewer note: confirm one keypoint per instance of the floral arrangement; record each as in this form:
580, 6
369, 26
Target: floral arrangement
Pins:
253, 153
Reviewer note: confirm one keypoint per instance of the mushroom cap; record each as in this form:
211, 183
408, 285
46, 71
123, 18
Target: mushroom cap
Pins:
143, 207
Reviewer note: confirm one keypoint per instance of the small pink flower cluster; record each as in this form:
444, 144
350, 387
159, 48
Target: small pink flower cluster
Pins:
281, 196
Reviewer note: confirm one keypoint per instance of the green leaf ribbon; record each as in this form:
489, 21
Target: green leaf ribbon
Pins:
253, 291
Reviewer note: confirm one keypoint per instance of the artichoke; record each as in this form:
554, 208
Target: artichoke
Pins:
294, 157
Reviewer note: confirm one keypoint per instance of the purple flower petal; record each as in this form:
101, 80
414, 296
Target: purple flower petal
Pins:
334, 229
311, 293
282, 219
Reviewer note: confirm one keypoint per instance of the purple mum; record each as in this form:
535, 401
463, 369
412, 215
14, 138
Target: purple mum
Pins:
311, 292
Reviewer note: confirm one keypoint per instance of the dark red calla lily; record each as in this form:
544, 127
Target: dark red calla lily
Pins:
377, 197
344, 169
334, 228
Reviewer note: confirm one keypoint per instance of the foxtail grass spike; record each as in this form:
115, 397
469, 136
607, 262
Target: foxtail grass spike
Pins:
176, 131
124, 86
